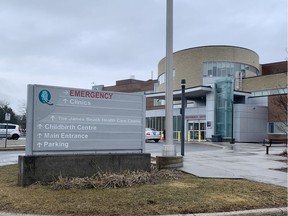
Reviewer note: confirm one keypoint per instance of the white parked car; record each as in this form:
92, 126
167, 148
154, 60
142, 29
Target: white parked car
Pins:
152, 134
13, 131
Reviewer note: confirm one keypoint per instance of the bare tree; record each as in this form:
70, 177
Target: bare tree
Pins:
278, 111
22, 107
3, 103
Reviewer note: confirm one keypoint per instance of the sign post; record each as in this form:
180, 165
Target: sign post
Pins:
7, 118
78, 132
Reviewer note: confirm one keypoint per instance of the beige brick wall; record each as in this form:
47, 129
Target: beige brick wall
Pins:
273, 81
188, 63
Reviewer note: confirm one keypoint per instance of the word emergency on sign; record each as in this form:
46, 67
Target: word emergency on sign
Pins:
91, 94
63, 120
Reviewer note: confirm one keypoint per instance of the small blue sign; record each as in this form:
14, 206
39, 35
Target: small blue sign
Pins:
45, 97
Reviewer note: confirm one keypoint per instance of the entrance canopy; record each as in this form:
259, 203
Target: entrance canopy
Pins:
193, 93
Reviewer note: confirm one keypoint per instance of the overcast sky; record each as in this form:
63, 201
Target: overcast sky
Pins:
75, 43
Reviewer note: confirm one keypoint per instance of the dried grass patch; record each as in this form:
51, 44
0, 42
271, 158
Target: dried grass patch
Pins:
116, 180
185, 194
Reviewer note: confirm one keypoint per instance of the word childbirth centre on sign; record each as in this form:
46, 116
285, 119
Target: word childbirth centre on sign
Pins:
100, 130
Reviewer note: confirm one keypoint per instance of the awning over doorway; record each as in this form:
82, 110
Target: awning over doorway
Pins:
193, 93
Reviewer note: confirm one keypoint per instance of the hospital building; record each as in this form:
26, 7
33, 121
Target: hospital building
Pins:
228, 95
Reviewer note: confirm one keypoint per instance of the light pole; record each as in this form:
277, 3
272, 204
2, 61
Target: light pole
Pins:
183, 102
232, 141
7, 118
169, 149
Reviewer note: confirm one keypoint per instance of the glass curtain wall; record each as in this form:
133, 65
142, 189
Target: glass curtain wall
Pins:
228, 69
158, 123
224, 106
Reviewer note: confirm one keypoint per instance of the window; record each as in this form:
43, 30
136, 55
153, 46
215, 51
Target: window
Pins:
9, 126
270, 127
278, 127
227, 69
162, 77
269, 92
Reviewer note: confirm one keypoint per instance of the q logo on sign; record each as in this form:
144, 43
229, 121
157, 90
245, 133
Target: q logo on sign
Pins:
45, 97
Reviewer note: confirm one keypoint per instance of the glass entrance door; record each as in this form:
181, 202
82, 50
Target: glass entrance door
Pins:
197, 130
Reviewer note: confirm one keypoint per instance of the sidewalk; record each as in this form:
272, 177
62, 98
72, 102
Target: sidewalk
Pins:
240, 160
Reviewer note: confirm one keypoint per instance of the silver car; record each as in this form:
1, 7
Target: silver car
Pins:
152, 134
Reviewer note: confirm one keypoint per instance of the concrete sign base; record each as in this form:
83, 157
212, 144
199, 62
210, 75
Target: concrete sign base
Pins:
46, 168
169, 162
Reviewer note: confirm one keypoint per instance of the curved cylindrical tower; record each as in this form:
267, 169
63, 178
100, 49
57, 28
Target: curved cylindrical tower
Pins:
196, 64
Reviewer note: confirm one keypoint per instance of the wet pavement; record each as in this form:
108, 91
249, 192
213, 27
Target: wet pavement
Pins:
156, 148
11, 156
240, 160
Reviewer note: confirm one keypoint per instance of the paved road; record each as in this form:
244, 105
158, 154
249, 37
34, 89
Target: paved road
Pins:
9, 157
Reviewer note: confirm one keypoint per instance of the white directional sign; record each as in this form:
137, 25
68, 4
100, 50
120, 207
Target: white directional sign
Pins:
7, 116
68, 120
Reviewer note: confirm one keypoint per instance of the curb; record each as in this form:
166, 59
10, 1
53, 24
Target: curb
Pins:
255, 212
18, 148
282, 211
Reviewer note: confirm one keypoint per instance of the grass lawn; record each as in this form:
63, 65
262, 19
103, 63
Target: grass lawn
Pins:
187, 194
